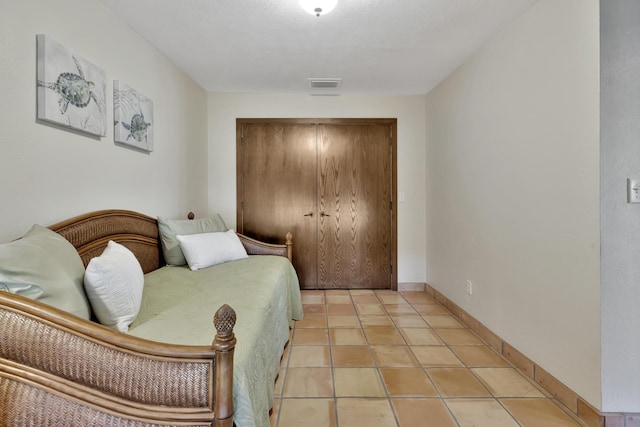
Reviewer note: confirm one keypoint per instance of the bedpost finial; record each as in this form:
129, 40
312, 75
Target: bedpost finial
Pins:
224, 320
289, 244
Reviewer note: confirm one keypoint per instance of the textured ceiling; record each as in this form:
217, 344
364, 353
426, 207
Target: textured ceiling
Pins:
397, 47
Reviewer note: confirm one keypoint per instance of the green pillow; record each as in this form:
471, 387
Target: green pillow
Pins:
169, 228
44, 266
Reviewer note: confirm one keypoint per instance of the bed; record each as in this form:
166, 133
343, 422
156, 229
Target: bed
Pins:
59, 369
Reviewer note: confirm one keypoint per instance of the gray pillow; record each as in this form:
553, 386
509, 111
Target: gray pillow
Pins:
169, 228
44, 266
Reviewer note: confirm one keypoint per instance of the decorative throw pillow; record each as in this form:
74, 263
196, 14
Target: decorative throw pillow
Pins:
113, 282
44, 266
209, 249
170, 228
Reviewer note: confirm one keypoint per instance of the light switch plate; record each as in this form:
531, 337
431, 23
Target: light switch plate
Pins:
633, 190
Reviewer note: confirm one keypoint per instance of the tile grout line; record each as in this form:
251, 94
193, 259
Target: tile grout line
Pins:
376, 367
555, 401
442, 399
380, 377
333, 377
565, 406
424, 368
469, 368
395, 325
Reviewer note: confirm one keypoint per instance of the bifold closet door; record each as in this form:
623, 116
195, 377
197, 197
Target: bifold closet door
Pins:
278, 188
354, 204
331, 185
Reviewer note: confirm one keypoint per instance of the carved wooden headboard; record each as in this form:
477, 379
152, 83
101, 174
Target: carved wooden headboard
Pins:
90, 233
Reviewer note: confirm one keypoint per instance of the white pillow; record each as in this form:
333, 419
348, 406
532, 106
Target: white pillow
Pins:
113, 282
209, 249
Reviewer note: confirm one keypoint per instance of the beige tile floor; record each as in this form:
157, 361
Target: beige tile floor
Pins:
387, 359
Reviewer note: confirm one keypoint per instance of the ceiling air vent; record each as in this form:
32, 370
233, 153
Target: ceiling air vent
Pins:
324, 83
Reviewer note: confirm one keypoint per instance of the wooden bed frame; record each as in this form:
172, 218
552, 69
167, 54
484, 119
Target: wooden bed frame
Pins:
58, 369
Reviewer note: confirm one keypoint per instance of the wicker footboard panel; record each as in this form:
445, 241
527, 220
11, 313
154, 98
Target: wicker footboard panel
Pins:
59, 370
27, 400
159, 381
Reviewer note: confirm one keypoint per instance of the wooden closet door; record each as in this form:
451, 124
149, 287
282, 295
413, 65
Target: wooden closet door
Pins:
354, 204
278, 189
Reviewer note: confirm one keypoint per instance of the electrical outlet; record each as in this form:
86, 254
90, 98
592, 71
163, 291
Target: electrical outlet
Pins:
469, 287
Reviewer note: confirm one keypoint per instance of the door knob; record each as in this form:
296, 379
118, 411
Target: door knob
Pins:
309, 214
324, 214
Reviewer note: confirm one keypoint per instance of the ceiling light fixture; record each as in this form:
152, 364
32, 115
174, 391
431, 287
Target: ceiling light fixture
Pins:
318, 7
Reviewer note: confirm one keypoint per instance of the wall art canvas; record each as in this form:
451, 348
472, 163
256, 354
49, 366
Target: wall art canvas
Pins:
132, 117
71, 91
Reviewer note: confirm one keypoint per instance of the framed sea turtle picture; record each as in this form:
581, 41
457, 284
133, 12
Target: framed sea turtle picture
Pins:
71, 91
132, 117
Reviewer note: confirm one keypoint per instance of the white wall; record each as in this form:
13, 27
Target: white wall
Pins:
620, 159
410, 112
513, 189
48, 174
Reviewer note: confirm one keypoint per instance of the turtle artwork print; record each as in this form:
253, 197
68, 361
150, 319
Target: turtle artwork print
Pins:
132, 117
71, 90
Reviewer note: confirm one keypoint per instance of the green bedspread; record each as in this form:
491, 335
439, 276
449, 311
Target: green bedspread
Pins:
178, 306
